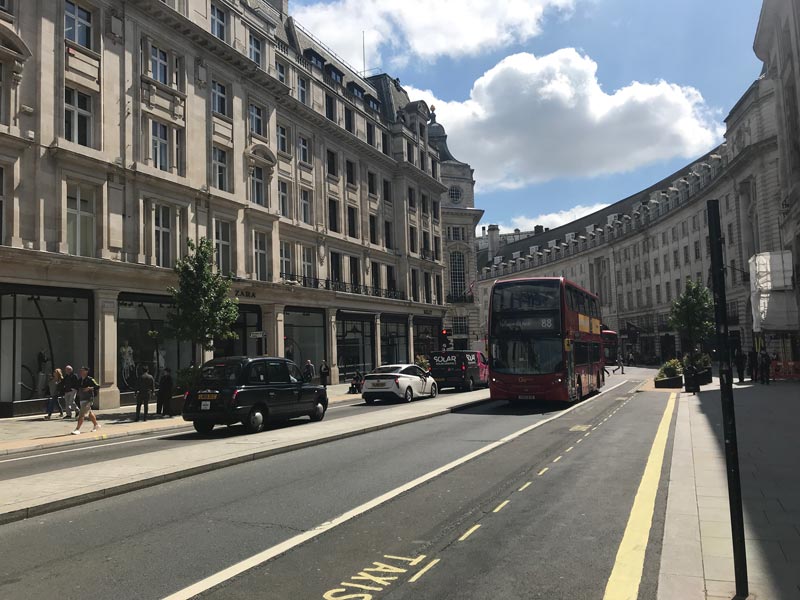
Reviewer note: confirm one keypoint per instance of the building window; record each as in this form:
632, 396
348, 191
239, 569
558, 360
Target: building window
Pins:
437, 248
697, 250
460, 325
668, 290
160, 145
350, 172
305, 206
336, 267
656, 266
80, 220
434, 169
436, 209
424, 202
219, 98
219, 20
330, 107
387, 190
410, 152
412, 198
333, 164
308, 261
658, 293
426, 286
414, 285
219, 167
260, 256
302, 145
256, 119
391, 280
77, 117
375, 271
255, 49
373, 229
676, 261
677, 287
355, 271
2, 198
283, 198
159, 65
733, 272
457, 274
729, 240
286, 258
387, 235
280, 69
352, 222
666, 262
370, 134
454, 193
333, 214
163, 236
283, 139
78, 24
686, 255
222, 244
257, 195
349, 121
386, 147
412, 239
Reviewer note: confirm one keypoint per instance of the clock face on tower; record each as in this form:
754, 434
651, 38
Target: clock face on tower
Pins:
455, 195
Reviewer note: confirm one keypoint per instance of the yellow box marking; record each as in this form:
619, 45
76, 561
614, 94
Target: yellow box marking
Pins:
424, 570
569, 449
543, 471
408, 559
500, 506
623, 584
469, 532
524, 487
557, 458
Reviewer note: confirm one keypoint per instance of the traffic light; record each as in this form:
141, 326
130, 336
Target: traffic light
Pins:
444, 337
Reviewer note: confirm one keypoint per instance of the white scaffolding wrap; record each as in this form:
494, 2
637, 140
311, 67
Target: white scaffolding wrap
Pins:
773, 299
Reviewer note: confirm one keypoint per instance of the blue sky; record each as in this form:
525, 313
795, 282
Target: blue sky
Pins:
553, 152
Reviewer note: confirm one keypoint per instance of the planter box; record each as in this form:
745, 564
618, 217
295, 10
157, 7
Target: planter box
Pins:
704, 377
670, 382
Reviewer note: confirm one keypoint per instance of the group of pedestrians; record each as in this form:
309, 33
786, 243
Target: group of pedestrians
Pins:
759, 365
147, 391
73, 393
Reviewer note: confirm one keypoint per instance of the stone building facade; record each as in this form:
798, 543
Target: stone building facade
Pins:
128, 127
460, 219
638, 253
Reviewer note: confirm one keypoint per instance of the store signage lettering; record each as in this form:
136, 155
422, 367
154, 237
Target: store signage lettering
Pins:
244, 294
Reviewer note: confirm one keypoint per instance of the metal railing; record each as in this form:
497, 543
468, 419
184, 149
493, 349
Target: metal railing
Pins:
341, 286
460, 299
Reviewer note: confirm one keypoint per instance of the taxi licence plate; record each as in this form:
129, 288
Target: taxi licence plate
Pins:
206, 396
528, 397
205, 405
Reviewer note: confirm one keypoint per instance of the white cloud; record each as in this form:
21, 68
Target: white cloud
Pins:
421, 29
542, 118
551, 220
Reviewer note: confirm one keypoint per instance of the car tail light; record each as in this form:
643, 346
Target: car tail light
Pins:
397, 381
185, 395
463, 367
233, 397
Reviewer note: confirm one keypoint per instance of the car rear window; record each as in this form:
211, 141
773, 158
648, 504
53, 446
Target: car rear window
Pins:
387, 370
220, 373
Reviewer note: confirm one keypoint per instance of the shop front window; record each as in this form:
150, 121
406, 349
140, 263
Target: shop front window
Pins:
304, 336
247, 342
354, 343
40, 331
394, 342
426, 337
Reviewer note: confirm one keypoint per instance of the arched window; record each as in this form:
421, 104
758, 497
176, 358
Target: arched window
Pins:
457, 274
455, 194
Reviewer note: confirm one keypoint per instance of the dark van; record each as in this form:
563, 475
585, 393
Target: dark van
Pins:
460, 369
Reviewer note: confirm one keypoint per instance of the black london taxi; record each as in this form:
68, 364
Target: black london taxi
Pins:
251, 391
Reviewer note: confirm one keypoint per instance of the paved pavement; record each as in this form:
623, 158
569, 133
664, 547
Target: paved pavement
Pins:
24, 434
697, 557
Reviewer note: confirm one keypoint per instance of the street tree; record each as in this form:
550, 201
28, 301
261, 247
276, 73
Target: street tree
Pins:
202, 309
692, 315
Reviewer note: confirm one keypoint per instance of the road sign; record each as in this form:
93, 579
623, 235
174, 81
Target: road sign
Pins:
258, 334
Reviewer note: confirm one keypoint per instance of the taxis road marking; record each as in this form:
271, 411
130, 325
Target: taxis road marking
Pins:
424, 570
623, 584
292, 542
469, 532
500, 506
524, 487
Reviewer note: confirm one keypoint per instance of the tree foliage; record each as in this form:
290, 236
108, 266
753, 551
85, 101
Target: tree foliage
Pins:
692, 314
203, 310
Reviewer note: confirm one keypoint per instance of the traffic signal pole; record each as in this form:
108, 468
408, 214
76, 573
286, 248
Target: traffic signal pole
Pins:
726, 388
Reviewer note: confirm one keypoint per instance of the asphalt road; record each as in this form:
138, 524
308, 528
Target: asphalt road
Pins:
555, 539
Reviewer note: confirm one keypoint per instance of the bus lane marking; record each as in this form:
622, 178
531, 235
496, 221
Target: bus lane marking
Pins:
377, 577
469, 532
424, 570
543, 471
569, 449
626, 575
500, 506
557, 458
524, 487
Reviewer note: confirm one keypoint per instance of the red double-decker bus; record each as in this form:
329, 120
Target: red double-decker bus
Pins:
544, 340
610, 347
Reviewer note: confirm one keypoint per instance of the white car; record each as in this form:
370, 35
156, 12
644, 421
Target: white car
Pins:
390, 382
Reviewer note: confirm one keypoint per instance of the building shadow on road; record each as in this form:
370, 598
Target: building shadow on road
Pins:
767, 422
519, 409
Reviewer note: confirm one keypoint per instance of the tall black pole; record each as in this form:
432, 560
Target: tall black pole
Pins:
726, 388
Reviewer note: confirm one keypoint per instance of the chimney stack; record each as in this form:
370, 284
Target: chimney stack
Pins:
538, 229
494, 240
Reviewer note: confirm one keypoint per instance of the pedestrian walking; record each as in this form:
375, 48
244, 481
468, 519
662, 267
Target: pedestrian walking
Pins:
309, 372
630, 359
324, 373
764, 364
752, 364
620, 365
144, 395
70, 386
86, 391
56, 392
164, 393
739, 361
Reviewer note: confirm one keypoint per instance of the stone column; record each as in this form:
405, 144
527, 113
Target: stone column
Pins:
330, 338
105, 350
378, 357
411, 355
280, 332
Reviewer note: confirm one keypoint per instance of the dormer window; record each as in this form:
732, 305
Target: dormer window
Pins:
356, 90
372, 103
315, 58
335, 74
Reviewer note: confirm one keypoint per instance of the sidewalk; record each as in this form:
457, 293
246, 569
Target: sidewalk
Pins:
697, 553
23, 434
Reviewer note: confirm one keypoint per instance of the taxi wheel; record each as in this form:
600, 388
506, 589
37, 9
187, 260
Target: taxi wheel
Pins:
319, 412
254, 423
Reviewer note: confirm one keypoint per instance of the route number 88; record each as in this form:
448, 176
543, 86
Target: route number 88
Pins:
547, 323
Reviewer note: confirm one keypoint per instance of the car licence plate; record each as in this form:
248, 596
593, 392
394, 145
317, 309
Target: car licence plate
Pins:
528, 397
205, 405
206, 396
379, 384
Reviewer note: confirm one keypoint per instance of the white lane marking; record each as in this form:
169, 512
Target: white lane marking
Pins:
270, 553
174, 431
